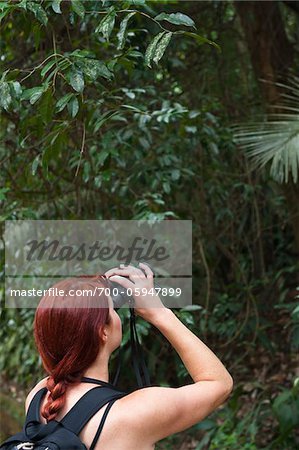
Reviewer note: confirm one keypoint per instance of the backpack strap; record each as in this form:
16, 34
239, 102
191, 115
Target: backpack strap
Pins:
34, 407
79, 414
87, 406
33, 428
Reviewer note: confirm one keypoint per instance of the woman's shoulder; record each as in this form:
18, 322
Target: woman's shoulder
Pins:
41, 384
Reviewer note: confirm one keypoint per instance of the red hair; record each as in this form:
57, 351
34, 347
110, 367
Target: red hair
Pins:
66, 333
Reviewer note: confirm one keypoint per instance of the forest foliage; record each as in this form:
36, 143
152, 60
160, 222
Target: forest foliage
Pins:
126, 110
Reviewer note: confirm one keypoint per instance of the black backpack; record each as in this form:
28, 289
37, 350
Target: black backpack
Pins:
64, 434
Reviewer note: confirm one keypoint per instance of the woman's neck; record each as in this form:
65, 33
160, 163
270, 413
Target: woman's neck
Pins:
99, 368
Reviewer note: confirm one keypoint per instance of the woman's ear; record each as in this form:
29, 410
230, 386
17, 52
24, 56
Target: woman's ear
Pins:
103, 333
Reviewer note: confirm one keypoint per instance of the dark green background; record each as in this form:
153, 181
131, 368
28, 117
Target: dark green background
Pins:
98, 125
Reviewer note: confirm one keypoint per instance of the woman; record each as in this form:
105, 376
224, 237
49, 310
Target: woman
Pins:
76, 342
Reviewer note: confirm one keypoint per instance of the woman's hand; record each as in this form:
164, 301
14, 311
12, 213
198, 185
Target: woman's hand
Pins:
147, 303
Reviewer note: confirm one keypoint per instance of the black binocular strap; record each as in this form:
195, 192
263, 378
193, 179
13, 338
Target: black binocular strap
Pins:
137, 354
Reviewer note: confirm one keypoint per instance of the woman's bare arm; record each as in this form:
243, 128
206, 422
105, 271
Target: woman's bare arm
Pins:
159, 411
201, 363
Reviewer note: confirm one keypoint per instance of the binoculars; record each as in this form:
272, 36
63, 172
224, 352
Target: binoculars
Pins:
119, 294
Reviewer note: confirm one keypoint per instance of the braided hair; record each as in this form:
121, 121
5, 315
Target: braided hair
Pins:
66, 333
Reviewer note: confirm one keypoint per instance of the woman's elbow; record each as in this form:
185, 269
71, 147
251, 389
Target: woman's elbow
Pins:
228, 385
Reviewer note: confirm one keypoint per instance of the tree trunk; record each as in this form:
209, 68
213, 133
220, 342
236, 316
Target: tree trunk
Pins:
271, 52
291, 193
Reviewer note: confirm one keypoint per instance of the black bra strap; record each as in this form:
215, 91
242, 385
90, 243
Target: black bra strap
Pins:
97, 381
99, 430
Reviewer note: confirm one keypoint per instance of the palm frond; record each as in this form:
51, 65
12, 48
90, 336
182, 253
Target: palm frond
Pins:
277, 139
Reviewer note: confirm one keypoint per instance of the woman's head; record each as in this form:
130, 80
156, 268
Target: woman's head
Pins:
70, 329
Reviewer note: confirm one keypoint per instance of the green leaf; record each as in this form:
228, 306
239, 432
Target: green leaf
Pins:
175, 174
150, 51
3, 75
102, 157
161, 47
107, 23
77, 79
111, 64
93, 69
3, 192
35, 164
36, 33
89, 68
3, 14
97, 181
73, 106
79, 53
22, 4
36, 96
61, 104
56, 6
5, 97
191, 308
121, 35
166, 187
46, 108
103, 71
86, 171
106, 175
63, 64
17, 89
177, 19
200, 39
33, 94
38, 11
78, 7
46, 156
157, 47
104, 118
5, 9
47, 67
4, 5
